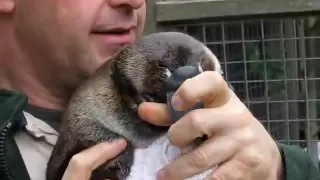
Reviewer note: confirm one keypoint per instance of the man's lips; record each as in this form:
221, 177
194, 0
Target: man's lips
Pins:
115, 36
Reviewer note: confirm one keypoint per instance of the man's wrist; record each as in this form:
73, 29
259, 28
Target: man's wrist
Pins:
280, 169
281, 165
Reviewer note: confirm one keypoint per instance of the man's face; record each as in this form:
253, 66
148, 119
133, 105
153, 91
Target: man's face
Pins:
75, 37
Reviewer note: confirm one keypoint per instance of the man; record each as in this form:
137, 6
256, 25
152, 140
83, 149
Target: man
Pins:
48, 47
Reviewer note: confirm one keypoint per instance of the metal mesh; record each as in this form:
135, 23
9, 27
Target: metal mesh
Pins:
274, 66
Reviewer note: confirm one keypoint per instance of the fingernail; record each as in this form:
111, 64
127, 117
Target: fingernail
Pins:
177, 102
118, 142
161, 175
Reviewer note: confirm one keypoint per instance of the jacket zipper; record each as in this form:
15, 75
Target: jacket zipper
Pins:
3, 163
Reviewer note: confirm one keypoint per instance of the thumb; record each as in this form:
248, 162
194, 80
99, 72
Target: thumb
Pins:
82, 164
154, 113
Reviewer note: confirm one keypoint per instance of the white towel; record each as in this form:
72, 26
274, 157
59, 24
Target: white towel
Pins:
148, 161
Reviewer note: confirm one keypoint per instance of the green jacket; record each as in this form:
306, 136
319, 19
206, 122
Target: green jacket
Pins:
297, 164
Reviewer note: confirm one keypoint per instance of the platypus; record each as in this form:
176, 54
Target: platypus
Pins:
104, 107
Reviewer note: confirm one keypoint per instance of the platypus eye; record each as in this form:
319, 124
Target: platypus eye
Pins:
153, 97
147, 97
162, 65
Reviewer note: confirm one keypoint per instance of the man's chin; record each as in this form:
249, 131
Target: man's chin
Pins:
95, 64
107, 52
103, 53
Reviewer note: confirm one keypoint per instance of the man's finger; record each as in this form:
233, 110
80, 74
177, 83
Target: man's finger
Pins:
210, 154
155, 113
100, 153
208, 87
82, 164
201, 122
230, 170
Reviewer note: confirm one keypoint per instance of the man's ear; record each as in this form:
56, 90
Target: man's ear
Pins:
7, 6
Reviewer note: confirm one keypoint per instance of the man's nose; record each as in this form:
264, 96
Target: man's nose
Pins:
135, 4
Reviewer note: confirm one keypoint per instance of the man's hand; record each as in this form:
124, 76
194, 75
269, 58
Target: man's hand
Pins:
237, 142
82, 164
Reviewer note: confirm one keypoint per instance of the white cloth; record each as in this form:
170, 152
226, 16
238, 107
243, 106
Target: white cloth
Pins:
148, 161
36, 146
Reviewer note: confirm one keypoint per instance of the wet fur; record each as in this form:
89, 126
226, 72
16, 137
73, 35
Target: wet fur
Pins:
104, 107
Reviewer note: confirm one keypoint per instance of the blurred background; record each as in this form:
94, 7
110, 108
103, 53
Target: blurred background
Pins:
269, 51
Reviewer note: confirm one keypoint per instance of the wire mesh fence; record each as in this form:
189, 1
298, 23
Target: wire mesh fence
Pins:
274, 66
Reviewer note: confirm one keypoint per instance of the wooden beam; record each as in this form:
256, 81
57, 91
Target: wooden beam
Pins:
197, 9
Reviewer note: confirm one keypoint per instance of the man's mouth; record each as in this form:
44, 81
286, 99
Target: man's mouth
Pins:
112, 31
116, 36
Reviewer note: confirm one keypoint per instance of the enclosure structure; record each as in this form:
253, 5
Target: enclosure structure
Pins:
269, 51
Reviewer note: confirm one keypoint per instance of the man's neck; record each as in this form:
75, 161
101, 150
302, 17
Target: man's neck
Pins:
39, 94
17, 73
